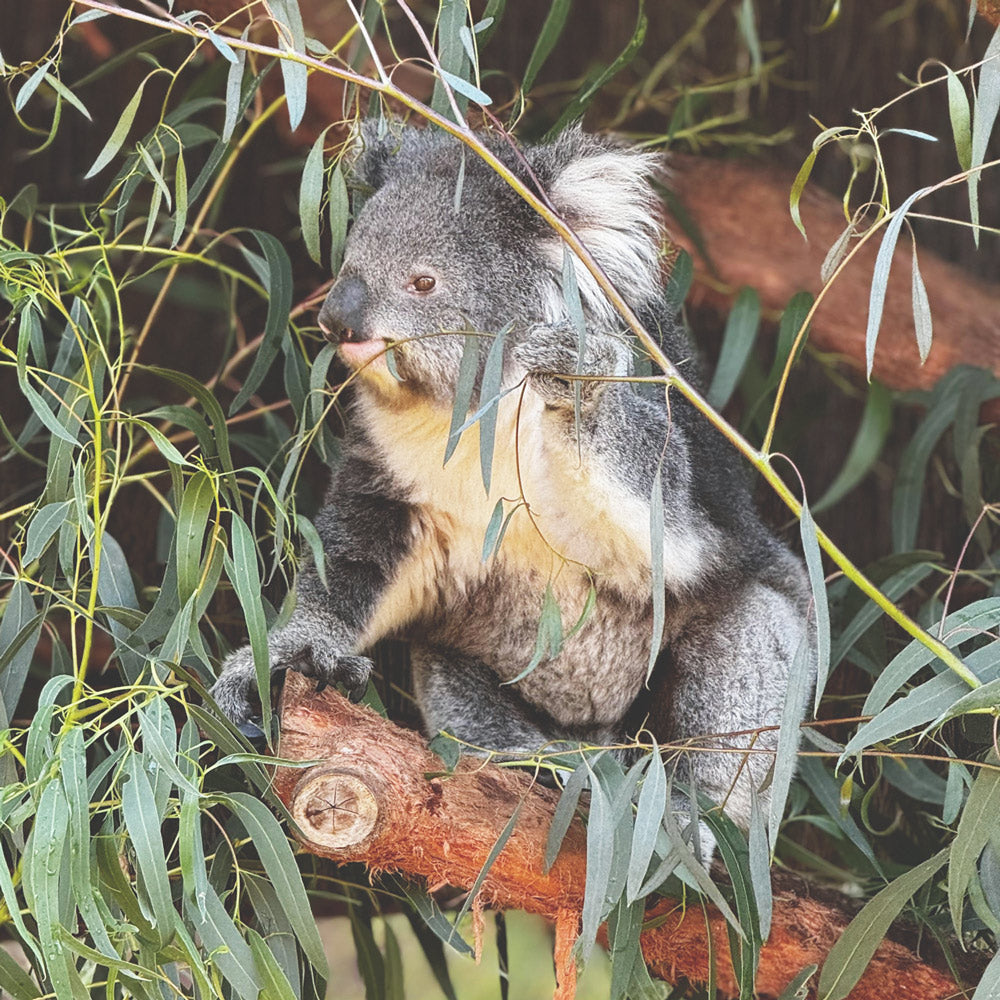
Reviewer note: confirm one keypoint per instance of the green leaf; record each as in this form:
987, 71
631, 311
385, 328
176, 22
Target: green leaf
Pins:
181, 193
989, 983
977, 825
958, 111
922, 321
428, 911
66, 94
118, 135
464, 387
192, 519
143, 824
649, 813
274, 982
600, 855
489, 392
821, 609
797, 988
737, 342
850, 956
278, 285
592, 85
452, 16
311, 194
339, 215
31, 85
228, 950
39, 405
658, 584
880, 277
564, 813
272, 847
244, 574
20, 628
466, 89
869, 440
234, 85
800, 680
43, 876
14, 981
798, 186
984, 116
760, 867
43, 525
291, 38
551, 30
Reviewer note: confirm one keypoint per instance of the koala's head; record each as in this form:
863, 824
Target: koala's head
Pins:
443, 246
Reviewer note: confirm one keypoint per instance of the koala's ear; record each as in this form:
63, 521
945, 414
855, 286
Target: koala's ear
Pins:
381, 147
604, 192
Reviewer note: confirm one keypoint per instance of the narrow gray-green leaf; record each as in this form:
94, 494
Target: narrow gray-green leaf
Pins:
311, 194
339, 214
958, 111
192, 519
977, 825
760, 866
464, 387
800, 681
245, 577
140, 815
547, 38
865, 449
278, 285
922, 321
797, 988
118, 134
850, 956
67, 95
181, 198
880, 276
43, 525
490, 390
656, 569
234, 83
292, 39
737, 342
600, 848
283, 873
275, 983
798, 186
649, 812
984, 116
564, 813
817, 582
229, 951
31, 85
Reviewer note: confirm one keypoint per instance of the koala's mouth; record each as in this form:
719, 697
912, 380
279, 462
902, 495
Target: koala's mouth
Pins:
358, 352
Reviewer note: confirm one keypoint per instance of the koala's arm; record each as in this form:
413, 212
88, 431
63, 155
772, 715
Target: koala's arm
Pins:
364, 536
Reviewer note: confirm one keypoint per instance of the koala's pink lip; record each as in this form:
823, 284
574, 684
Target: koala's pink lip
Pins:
362, 352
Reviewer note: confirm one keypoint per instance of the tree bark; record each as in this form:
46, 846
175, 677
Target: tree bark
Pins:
379, 798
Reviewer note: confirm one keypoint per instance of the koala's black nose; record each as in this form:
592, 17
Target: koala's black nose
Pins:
342, 315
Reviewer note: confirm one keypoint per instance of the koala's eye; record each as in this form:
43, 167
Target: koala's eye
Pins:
423, 283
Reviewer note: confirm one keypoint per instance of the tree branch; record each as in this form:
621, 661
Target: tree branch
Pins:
378, 798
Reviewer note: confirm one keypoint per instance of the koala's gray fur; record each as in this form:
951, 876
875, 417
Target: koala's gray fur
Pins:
403, 535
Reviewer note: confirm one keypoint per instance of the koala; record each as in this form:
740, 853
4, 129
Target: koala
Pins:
431, 258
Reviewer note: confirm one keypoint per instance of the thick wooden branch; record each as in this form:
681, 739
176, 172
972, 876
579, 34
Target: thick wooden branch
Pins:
371, 800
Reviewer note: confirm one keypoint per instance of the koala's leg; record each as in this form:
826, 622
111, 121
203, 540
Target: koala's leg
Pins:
725, 678
461, 694
365, 536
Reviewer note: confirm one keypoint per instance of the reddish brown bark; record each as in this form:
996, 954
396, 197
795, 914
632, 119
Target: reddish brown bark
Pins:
748, 237
373, 801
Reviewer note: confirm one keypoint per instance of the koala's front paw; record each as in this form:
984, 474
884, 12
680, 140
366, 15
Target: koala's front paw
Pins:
235, 691
551, 356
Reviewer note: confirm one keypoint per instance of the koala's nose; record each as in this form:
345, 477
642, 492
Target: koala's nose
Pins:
342, 315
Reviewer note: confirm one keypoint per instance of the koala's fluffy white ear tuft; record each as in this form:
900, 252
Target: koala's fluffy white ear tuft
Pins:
604, 192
